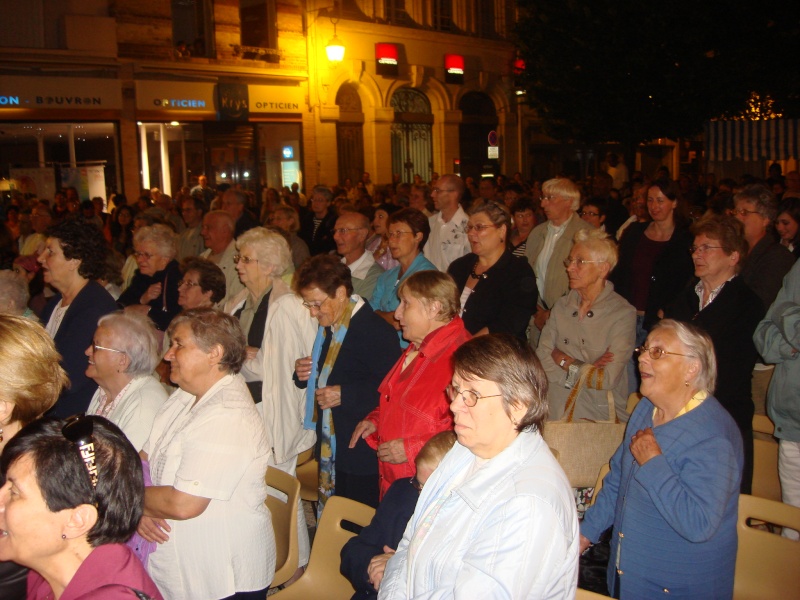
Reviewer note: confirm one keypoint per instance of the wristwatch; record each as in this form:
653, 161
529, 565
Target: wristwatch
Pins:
563, 362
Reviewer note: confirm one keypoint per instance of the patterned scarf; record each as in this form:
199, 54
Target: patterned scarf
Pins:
327, 467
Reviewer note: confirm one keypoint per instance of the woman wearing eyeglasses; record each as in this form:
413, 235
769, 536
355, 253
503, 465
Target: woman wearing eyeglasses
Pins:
154, 288
497, 517
208, 452
353, 350
202, 284
122, 357
71, 499
588, 339
673, 490
408, 231
498, 290
721, 303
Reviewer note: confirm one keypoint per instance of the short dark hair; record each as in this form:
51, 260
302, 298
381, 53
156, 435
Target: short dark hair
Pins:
82, 240
325, 272
64, 482
209, 275
414, 219
512, 365
211, 327
728, 230
522, 204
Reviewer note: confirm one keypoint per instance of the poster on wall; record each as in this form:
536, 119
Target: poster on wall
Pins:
34, 183
89, 181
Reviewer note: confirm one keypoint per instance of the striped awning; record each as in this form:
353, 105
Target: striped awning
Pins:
775, 139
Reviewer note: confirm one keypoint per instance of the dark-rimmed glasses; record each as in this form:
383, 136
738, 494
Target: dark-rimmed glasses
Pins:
78, 430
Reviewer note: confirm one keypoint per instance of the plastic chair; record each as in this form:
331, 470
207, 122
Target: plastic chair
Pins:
633, 400
599, 485
587, 595
763, 424
308, 475
322, 578
284, 523
766, 563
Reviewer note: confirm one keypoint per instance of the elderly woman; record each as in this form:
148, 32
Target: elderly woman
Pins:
353, 351
497, 517
286, 218
154, 288
73, 258
72, 497
14, 295
524, 212
720, 303
673, 490
588, 339
208, 453
122, 357
378, 243
202, 284
413, 406
407, 233
498, 290
262, 258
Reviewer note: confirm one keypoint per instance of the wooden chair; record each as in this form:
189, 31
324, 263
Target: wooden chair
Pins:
766, 481
763, 424
766, 563
284, 523
587, 595
308, 475
322, 578
599, 485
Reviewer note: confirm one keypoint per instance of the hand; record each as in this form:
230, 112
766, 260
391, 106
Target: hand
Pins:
392, 452
378, 565
302, 367
540, 318
153, 529
153, 292
585, 544
251, 352
557, 356
362, 430
644, 446
329, 396
607, 358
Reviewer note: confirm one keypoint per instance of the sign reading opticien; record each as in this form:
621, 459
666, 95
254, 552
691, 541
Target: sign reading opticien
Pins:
50, 93
169, 96
276, 99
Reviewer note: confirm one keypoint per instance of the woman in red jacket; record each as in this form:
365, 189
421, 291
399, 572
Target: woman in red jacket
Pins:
413, 405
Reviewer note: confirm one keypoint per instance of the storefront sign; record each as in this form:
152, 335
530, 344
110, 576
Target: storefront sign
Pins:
454, 68
60, 93
276, 99
233, 102
386, 59
176, 99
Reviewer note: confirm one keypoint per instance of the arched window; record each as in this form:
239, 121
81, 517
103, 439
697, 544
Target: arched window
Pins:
350, 134
412, 135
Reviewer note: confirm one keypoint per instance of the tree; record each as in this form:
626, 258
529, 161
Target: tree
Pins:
631, 71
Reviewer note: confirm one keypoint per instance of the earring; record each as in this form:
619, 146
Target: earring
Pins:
686, 383
63, 536
1, 434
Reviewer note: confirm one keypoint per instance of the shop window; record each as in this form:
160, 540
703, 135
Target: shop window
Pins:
259, 29
192, 29
280, 155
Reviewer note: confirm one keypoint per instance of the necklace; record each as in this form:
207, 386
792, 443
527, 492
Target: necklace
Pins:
474, 275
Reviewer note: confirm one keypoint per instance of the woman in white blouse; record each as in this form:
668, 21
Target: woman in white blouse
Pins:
122, 356
208, 453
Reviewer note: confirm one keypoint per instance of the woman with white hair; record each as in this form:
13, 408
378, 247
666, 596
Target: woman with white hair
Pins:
14, 295
154, 288
589, 337
262, 257
122, 356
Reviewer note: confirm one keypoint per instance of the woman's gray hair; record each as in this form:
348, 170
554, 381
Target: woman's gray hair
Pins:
14, 289
434, 286
162, 236
762, 198
512, 365
699, 347
134, 334
561, 186
600, 245
211, 327
270, 248
497, 213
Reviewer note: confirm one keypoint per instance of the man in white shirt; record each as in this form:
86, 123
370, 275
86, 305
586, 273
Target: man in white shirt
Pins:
448, 240
217, 232
350, 235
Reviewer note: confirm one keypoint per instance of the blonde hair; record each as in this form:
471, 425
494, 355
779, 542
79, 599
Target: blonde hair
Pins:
561, 186
600, 244
434, 286
435, 448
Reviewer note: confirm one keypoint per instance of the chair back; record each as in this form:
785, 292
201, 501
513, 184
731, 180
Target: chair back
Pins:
308, 475
587, 595
284, 522
766, 481
633, 400
599, 485
763, 424
766, 563
322, 578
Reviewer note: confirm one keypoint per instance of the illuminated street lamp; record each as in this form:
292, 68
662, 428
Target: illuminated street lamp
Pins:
335, 48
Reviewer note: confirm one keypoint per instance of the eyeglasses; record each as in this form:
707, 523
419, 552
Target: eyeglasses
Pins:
343, 230
579, 262
743, 212
245, 259
147, 255
550, 198
315, 305
440, 190
78, 430
470, 397
186, 282
398, 234
477, 228
655, 352
702, 249
96, 347
588, 213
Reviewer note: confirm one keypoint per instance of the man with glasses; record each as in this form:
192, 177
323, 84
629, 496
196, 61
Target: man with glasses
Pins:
217, 232
448, 240
350, 235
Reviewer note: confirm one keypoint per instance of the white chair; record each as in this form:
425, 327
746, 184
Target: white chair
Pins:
284, 523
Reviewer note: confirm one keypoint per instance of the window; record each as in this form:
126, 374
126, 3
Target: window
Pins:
192, 31
395, 12
443, 15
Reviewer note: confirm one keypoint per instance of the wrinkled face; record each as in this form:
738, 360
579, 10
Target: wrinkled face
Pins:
583, 277
57, 269
149, 259
445, 194
216, 234
711, 263
416, 318
189, 364
349, 234
664, 377
403, 243
103, 363
755, 225
556, 208
485, 238
659, 206
787, 227
190, 294
525, 221
325, 309
249, 269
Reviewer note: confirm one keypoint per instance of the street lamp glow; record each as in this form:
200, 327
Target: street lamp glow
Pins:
335, 49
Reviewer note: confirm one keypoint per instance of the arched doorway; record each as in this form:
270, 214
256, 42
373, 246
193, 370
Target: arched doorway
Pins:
478, 118
350, 134
412, 135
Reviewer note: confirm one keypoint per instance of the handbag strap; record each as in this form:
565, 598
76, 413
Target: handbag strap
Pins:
572, 400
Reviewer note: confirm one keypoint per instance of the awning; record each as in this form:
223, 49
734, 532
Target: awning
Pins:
774, 139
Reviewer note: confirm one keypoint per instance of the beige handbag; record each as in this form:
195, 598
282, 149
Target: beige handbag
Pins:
584, 446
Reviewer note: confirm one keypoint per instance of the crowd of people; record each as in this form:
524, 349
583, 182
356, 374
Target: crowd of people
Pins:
419, 337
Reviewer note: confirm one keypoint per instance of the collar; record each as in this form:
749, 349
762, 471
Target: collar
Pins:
559, 229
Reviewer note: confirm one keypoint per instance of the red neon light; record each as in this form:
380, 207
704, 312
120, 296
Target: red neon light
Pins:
386, 54
454, 63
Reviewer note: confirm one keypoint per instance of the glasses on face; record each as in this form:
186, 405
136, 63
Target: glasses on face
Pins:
245, 259
78, 430
343, 230
440, 190
96, 347
146, 255
314, 305
702, 249
743, 212
655, 352
187, 283
579, 262
480, 228
550, 198
470, 397
397, 234
588, 213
